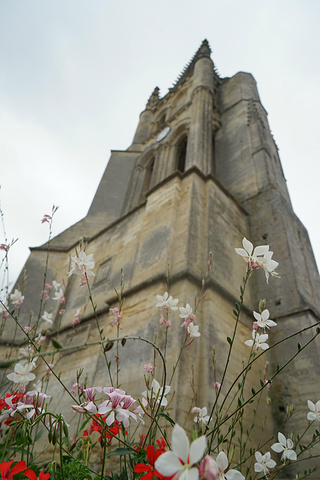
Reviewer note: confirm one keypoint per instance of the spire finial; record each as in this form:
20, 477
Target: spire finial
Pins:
154, 98
204, 50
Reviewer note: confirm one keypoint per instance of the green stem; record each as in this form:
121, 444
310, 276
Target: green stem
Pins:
237, 315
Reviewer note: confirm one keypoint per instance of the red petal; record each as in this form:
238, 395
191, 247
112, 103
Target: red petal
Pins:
19, 467
4, 468
44, 476
140, 467
30, 474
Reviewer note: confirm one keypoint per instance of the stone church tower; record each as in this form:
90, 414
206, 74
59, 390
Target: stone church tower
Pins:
203, 171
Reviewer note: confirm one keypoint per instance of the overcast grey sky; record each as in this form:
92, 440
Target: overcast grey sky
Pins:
75, 75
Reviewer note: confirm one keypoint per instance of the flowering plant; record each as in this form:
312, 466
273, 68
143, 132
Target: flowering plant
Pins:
102, 423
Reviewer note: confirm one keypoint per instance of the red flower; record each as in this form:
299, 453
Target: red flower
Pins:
31, 474
5, 466
96, 426
162, 444
149, 469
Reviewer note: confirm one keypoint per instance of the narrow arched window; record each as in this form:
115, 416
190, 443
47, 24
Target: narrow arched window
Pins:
213, 163
181, 154
147, 178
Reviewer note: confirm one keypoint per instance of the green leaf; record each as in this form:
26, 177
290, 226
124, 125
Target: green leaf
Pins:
229, 340
253, 391
235, 313
299, 347
167, 417
56, 343
121, 451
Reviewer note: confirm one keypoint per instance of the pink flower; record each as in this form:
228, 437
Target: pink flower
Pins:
4, 247
116, 316
148, 368
46, 218
165, 322
45, 295
61, 311
76, 319
75, 388
255, 326
208, 469
49, 368
217, 386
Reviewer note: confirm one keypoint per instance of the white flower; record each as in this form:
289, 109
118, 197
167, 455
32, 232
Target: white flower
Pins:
179, 461
16, 298
167, 302
201, 415
315, 411
269, 266
263, 320
186, 312
156, 391
22, 374
82, 264
260, 257
264, 462
258, 341
47, 317
58, 295
193, 330
56, 285
285, 446
222, 465
253, 257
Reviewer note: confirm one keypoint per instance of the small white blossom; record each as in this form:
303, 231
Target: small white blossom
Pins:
22, 373
47, 317
193, 330
156, 393
285, 447
58, 295
83, 264
16, 298
201, 415
258, 341
263, 320
167, 302
269, 266
222, 464
260, 257
56, 285
315, 411
186, 312
264, 462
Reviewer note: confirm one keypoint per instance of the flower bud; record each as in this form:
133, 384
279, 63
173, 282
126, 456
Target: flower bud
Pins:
208, 469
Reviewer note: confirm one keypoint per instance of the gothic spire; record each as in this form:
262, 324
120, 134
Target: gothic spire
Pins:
203, 51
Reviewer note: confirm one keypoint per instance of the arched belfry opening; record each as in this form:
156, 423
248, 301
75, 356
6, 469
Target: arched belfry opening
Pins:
148, 171
181, 154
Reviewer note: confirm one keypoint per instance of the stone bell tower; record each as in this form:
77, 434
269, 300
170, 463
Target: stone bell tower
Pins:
203, 171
